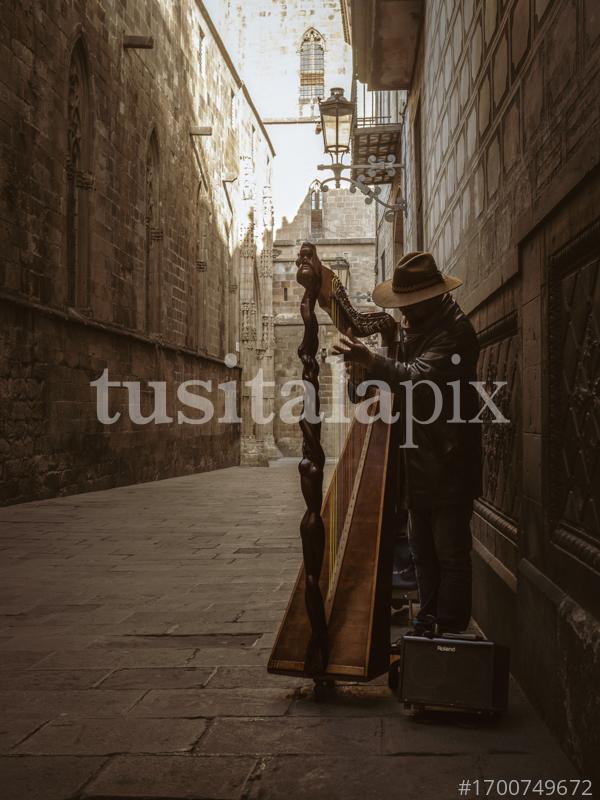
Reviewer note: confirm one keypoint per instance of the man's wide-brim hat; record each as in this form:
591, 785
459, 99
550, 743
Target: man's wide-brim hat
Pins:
416, 278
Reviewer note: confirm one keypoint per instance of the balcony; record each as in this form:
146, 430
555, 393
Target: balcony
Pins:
378, 121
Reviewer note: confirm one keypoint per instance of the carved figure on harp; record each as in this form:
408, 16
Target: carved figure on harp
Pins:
337, 623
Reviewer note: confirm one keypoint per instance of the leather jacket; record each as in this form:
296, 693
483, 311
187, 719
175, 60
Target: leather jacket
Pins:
445, 465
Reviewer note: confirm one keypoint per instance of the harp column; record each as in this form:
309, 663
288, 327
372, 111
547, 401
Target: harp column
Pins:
311, 466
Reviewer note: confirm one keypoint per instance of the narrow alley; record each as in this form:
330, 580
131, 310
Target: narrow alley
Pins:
136, 627
361, 237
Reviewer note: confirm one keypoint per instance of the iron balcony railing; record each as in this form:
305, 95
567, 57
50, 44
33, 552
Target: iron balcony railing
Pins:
377, 108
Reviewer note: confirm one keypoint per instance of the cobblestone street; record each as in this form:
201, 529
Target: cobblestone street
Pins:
136, 625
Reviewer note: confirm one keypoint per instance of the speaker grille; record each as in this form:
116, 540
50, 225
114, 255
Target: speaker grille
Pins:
448, 673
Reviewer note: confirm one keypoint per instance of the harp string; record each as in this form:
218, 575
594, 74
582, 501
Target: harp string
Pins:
341, 478
334, 504
347, 443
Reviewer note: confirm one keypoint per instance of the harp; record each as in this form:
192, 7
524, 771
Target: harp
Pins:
337, 622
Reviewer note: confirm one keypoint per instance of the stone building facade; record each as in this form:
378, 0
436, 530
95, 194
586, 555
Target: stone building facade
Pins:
136, 222
291, 54
502, 154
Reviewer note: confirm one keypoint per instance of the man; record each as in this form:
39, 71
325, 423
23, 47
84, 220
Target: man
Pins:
441, 467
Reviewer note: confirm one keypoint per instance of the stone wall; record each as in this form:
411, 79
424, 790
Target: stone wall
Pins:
115, 211
501, 101
52, 442
506, 97
265, 40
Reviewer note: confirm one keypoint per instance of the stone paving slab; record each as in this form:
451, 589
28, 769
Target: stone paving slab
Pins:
113, 735
91, 657
135, 628
44, 680
95, 702
287, 735
171, 778
518, 732
344, 778
213, 703
158, 677
43, 778
535, 765
15, 728
255, 676
22, 658
216, 656
43, 641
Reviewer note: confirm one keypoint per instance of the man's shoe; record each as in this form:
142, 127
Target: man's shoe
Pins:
424, 626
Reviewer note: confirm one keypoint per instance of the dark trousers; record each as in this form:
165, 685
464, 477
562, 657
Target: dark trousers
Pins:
440, 542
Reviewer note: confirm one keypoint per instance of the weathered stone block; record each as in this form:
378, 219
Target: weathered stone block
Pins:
520, 31
40, 778
172, 777
484, 105
511, 135
479, 189
490, 14
471, 132
561, 51
476, 51
500, 69
464, 83
493, 167
214, 702
533, 100
377, 776
293, 735
158, 678
106, 736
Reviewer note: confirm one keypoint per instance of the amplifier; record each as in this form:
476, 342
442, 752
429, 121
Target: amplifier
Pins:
454, 672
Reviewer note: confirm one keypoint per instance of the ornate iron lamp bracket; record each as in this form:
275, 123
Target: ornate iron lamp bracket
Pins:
370, 170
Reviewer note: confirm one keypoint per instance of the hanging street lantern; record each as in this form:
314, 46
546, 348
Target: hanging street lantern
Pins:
337, 121
337, 116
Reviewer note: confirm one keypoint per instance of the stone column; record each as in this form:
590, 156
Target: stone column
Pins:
268, 325
251, 446
257, 339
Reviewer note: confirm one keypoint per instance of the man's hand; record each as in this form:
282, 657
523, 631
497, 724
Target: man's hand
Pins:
353, 350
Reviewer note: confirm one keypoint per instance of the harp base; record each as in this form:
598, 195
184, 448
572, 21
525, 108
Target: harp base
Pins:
334, 672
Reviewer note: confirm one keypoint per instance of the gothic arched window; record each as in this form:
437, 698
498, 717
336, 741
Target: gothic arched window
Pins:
153, 236
316, 209
79, 177
312, 67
